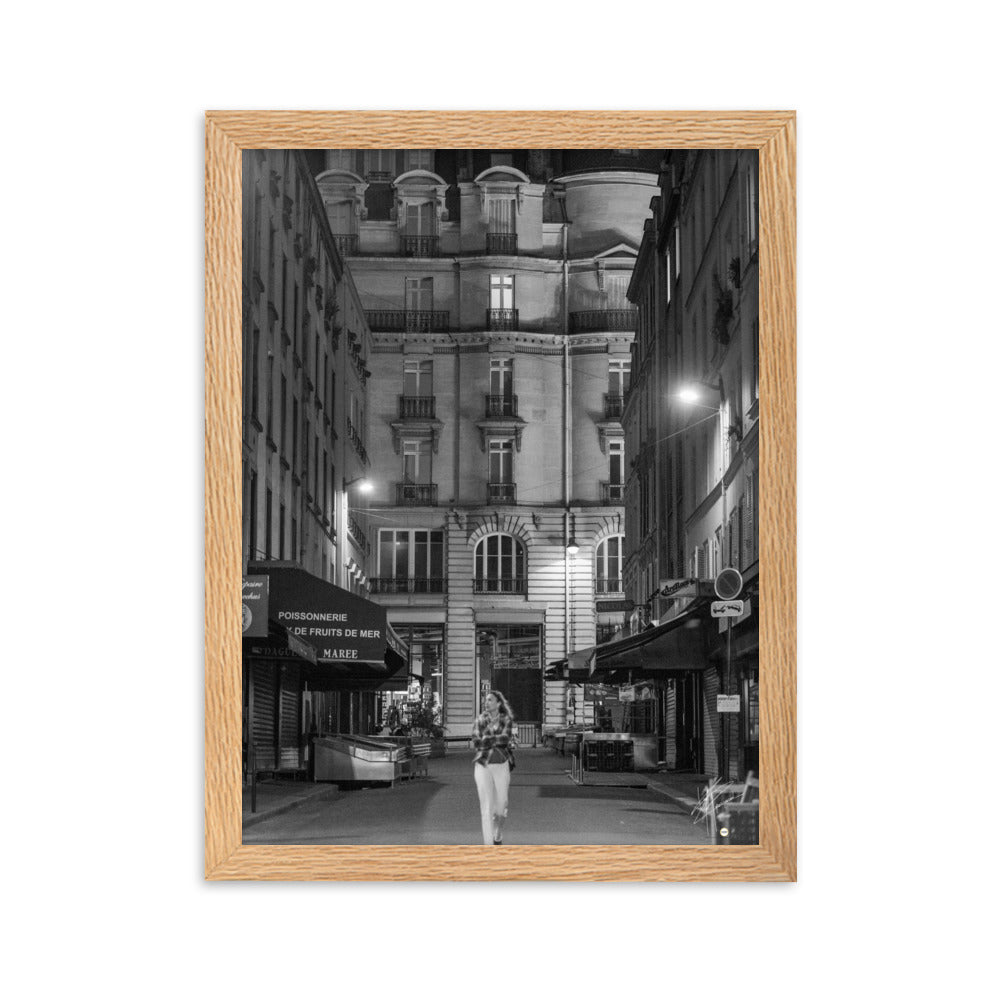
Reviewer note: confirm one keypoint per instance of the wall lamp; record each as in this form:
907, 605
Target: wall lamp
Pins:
691, 393
364, 484
572, 548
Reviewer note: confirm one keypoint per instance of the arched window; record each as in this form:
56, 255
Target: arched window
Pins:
608, 566
500, 566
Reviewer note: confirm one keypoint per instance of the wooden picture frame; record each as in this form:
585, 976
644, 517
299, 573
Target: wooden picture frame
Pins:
228, 133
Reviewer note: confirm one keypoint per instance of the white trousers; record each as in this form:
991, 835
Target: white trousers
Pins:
493, 784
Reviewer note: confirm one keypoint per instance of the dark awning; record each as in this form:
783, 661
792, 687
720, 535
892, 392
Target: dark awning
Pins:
675, 646
348, 636
279, 644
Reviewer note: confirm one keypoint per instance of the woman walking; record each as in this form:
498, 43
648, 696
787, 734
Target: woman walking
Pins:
494, 739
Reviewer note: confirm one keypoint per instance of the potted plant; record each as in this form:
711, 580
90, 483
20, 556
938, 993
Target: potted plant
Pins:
425, 726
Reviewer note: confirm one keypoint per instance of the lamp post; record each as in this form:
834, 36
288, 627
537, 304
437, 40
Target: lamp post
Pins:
364, 485
691, 394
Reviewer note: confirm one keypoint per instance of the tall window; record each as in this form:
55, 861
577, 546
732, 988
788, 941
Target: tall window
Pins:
252, 518
501, 481
343, 218
615, 287
419, 294
411, 561
268, 512
418, 378
501, 377
420, 219
501, 461
501, 291
619, 372
501, 215
500, 566
616, 471
608, 567
416, 462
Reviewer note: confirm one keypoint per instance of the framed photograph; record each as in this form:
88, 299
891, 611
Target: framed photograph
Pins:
500, 496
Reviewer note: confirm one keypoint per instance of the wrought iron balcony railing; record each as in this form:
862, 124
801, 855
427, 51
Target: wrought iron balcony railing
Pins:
416, 407
408, 320
356, 441
613, 406
502, 492
499, 585
354, 530
501, 243
614, 320
418, 494
501, 319
501, 406
418, 246
411, 585
612, 492
604, 586
347, 244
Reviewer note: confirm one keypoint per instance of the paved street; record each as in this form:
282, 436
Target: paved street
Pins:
546, 807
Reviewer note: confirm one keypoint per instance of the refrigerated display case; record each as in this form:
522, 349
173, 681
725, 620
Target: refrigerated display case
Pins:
347, 758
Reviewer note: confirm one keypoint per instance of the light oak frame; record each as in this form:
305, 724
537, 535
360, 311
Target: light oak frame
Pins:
227, 134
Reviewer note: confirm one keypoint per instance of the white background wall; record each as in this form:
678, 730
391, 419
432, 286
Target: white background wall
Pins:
103, 173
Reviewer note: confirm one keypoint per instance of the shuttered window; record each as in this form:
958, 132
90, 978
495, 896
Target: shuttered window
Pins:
501, 215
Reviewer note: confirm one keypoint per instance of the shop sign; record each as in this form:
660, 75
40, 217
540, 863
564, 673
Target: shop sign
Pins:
611, 607
337, 624
727, 703
255, 605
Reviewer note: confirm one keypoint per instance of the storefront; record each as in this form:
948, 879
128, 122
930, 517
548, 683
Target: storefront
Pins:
734, 655
317, 669
668, 679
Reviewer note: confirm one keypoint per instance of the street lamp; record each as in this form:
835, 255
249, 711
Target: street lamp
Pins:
364, 484
691, 395
572, 548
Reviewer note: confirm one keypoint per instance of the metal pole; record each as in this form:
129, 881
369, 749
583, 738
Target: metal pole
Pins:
729, 663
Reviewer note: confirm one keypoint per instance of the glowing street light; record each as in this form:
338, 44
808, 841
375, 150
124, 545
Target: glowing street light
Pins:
363, 483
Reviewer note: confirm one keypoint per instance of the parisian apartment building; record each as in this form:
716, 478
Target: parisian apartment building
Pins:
485, 316
691, 434
305, 345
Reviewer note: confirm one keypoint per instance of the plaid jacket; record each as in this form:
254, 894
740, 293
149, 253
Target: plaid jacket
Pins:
487, 736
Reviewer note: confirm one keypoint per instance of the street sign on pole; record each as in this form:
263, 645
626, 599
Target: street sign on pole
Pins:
727, 703
728, 584
727, 609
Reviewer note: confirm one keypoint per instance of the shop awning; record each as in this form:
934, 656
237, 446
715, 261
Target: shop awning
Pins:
675, 646
279, 644
348, 636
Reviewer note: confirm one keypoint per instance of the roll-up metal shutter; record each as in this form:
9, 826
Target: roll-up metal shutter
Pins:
288, 718
711, 723
263, 681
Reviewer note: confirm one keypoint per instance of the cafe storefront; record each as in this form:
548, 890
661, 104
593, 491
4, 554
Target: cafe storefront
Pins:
667, 681
315, 657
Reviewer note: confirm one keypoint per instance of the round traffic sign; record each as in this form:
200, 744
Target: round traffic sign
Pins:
729, 584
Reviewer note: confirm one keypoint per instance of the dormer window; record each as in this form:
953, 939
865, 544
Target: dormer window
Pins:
418, 159
380, 165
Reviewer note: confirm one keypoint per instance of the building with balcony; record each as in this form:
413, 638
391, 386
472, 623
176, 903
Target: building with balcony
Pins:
306, 352
494, 285
691, 434
306, 346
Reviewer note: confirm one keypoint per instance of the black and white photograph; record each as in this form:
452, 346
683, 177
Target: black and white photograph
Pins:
367, 503
500, 482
